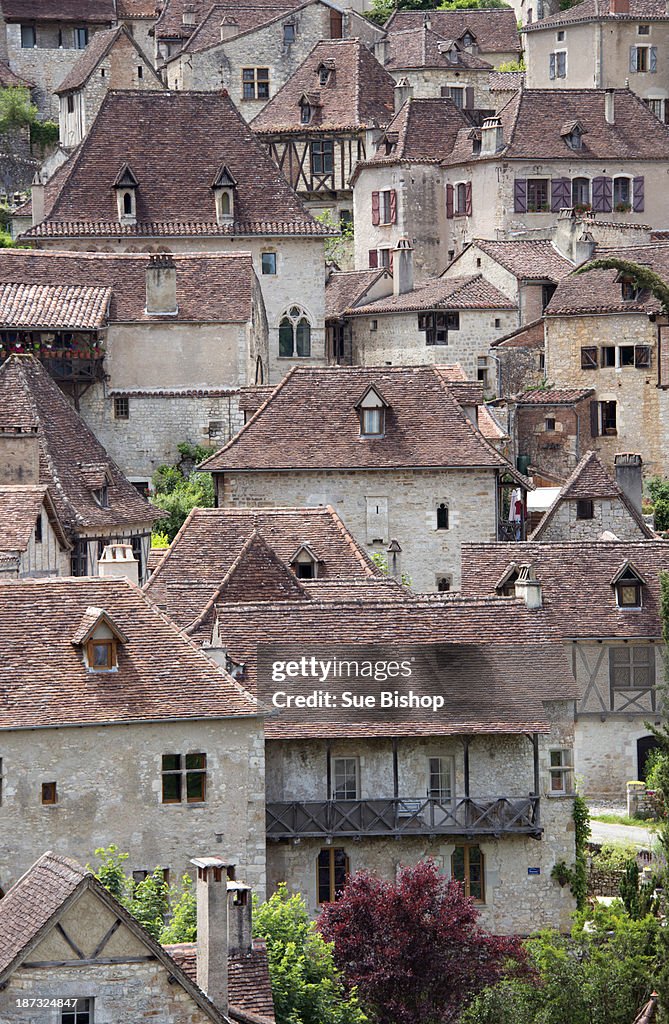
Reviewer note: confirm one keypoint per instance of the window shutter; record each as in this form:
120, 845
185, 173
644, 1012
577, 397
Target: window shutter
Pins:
449, 201
642, 356
375, 208
594, 419
562, 64
551, 65
637, 205
373, 259
393, 206
632, 58
589, 357
560, 194
468, 199
391, 260
469, 97
602, 195
653, 59
520, 195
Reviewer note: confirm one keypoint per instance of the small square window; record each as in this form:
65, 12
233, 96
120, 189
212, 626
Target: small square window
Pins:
373, 325
498, 323
373, 421
585, 509
121, 407
560, 36
49, 793
78, 1011
643, 30
268, 263
549, 423
101, 655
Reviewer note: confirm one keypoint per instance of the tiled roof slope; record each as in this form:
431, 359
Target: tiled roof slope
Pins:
506, 80
92, 11
211, 287
530, 259
345, 288
423, 48
590, 479
161, 675
53, 306
211, 540
192, 135
245, 17
528, 336
20, 506
310, 422
553, 396
599, 291
495, 29
473, 292
359, 92
576, 581
426, 131
600, 10
31, 401
249, 988
97, 49
9, 79
136, 9
170, 24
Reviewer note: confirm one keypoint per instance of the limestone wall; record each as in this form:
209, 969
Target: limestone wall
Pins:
608, 514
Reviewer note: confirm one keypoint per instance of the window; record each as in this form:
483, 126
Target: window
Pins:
101, 496
28, 37
140, 72
440, 779
589, 357
560, 37
584, 508
385, 258
141, 876
437, 325
345, 771
49, 793
482, 370
79, 559
467, 867
289, 33
268, 262
442, 516
184, 774
81, 1013
127, 204
38, 529
70, 104
373, 421
622, 194
580, 191
373, 325
255, 83
537, 195
388, 201
457, 94
628, 588
101, 655
294, 333
557, 64
559, 772
656, 107
443, 584
305, 113
322, 157
332, 871
643, 58
121, 407
461, 197
467, 40
628, 289
305, 570
643, 30
632, 667
80, 38
603, 419
324, 76
549, 424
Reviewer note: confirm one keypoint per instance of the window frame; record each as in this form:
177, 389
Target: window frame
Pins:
560, 771
25, 29
321, 152
121, 407
289, 32
366, 425
442, 795
346, 763
184, 774
254, 85
585, 509
325, 861
632, 651
442, 513
538, 187
295, 318
49, 794
466, 880
74, 1015
109, 644
271, 262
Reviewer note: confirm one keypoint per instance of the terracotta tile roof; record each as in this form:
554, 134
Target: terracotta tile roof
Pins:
131, 9
31, 401
495, 30
590, 479
240, 19
423, 48
473, 293
310, 422
426, 131
211, 544
599, 10
170, 23
528, 336
527, 260
501, 81
359, 92
53, 307
211, 287
193, 133
20, 506
9, 79
576, 581
161, 675
344, 289
249, 987
489, 426
93, 11
599, 291
97, 50
553, 396
250, 399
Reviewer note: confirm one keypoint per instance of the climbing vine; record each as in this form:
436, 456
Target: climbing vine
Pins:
645, 278
576, 876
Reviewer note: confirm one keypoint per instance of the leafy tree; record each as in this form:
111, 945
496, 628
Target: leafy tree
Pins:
178, 488
658, 491
382, 9
307, 987
150, 903
413, 948
513, 65
182, 926
16, 109
643, 277
338, 248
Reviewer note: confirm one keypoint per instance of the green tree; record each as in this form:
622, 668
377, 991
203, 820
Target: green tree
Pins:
178, 488
150, 903
307, 987
658, 492
182, 924
513, 65
338, 247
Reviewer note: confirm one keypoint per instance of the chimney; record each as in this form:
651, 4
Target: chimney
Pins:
240, 919
188, 16
403, 92
427, 21
619, 6
19, 456
629, 477
381, 50
212, 929
492, 136
117, 561
403, 267
161, 284
229, 28
37, 196
584, 248
528, 587
610, 105
394, 566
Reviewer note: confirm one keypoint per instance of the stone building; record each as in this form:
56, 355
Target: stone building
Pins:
152, 348
519, 358
45, 444
116, 729
63, 934
204, 184
343, 290
112, 60
603, 44
489, 34
32, 539
549, 427
323, 120
395, 450
604, 598
139, 17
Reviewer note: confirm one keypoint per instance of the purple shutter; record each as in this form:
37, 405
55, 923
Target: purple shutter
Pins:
594, 419
637, 205
375, 208
520, 195
469, 97
602, 195
450, 204
468, 198
373, 258
560, 194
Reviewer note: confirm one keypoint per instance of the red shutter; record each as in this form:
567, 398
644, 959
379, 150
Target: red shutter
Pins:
373, 259
594, 419
393, 206
468, 198
375, 208
449, 201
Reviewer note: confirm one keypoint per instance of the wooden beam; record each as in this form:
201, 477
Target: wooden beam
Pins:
396, 775
73, 946
89, 962
466, 745
106, 937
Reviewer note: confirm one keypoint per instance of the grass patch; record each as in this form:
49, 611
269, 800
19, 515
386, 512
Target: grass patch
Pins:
621, 819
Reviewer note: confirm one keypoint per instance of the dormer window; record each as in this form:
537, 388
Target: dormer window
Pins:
224, 187
324, 74
304, 563
506, 585
101, 496
628, 289
101, 655
99, 638
628, 584
305, 113
453, 55
572, 132
126, 185
372, 412
468, 40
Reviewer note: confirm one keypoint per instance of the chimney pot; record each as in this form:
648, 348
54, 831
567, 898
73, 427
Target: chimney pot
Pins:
212, 929
527, 587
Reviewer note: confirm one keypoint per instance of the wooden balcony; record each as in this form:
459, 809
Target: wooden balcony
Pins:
403, 817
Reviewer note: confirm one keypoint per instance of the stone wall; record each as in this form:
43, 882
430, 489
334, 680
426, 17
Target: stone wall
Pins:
428, 83
553, 449
407, 499
608, 514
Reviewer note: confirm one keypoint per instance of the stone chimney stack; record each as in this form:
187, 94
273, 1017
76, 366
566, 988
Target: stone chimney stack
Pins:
403, 92
19, 456
528, 587
492, 136
37, 190
161, 284
212, 929
619, 6
188, 16
240, 918
117, 561
629, 477
229, 28
381, 50
403, 267
610, 95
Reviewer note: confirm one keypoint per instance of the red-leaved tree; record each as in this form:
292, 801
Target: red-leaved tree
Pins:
413, 947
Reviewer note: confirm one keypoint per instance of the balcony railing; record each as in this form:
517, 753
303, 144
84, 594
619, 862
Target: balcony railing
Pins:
403, 816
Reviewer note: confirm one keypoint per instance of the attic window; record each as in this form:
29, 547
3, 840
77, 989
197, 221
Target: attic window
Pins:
99, 637
305, 113
467, 39
224, 187
101, 496
628, 288
289, 32
506, 586
304, 563
324, 74
628, 585
101, 655
372, 412
574, 139
126, 195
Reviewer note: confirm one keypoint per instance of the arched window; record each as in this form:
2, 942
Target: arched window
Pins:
622, 194
461, 197
294, 333
444, 584
442, 516
225, 204
260, 373
127, 203
580, 192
